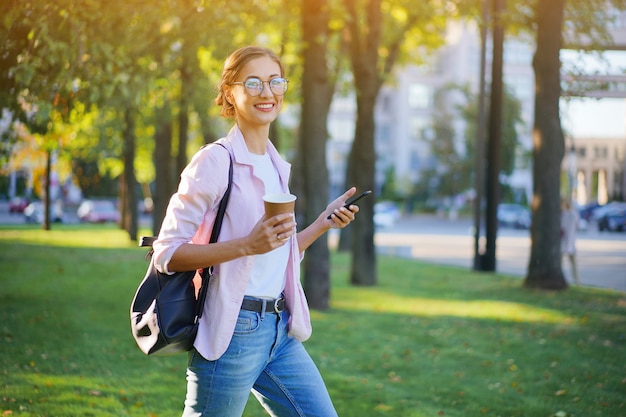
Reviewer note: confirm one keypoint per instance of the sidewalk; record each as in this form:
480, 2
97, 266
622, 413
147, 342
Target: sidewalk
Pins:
601, 257
596, 268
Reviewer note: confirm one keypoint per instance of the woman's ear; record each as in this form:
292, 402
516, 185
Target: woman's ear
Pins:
228, 94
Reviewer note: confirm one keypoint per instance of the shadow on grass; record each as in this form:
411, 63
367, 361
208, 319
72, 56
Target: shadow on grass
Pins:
425, 289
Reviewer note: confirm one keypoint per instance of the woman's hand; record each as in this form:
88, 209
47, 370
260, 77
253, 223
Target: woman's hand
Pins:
269, 234
340, 216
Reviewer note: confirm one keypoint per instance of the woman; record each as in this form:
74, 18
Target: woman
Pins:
569, 225
256, 314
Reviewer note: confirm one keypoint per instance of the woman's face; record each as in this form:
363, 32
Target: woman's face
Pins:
264, 108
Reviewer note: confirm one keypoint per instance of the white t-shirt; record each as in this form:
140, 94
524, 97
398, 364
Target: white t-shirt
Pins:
268, 271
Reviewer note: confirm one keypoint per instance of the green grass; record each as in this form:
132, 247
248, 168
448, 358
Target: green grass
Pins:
427, 341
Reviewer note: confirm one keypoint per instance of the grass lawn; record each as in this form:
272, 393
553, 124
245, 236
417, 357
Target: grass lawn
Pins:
427, 341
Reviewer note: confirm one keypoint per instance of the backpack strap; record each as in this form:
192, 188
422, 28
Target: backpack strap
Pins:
217, 226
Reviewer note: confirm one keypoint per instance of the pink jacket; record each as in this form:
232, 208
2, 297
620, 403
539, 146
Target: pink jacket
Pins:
190, 216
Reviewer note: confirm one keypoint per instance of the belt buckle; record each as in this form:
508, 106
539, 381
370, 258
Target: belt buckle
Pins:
277, 309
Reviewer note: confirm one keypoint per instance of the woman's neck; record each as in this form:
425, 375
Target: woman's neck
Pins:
256, 137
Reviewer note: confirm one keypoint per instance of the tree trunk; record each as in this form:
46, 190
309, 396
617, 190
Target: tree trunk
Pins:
45, 225
130, 182
494, 140
544, 268
316, 97
163, 187
183, 111
361, 166
362, 161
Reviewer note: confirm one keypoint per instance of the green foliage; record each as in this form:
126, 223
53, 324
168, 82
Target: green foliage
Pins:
93, 181
57, 57
511, 123
389, 190
454, 169
428, 340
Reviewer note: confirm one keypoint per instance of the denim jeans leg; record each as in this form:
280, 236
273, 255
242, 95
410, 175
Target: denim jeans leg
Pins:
291, 385
221, 388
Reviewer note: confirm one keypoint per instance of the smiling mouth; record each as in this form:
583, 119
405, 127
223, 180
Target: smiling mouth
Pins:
264, 106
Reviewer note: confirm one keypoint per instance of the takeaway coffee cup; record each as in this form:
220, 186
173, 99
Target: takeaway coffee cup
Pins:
278, 204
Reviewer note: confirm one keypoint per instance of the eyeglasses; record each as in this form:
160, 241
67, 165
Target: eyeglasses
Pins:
254, 86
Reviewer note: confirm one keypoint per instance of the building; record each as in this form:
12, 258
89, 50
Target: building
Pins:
595, 167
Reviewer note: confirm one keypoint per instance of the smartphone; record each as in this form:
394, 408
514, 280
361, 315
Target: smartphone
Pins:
354, 200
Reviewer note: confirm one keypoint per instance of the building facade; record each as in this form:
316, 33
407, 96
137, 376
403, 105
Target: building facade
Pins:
595, 168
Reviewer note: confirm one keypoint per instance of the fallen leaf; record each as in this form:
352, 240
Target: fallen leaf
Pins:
560, 392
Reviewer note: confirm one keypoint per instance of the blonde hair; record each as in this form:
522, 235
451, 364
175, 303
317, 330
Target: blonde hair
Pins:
233, 65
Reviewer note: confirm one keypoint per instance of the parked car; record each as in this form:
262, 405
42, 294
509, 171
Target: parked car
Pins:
586, 210
513, 215
34, 213
599, 212
18, 204
98, 211
613, 220
386, 213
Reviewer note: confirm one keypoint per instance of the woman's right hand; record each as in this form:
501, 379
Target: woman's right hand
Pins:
269, 234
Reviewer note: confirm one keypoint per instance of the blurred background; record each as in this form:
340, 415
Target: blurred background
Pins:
103, 103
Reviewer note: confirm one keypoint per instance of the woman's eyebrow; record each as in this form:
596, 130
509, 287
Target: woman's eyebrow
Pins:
259, 77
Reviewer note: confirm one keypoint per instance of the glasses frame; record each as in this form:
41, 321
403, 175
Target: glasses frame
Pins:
257, 92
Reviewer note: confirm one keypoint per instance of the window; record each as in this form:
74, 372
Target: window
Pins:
418, 128
384, 134
341, 129
523, 87
518, 53
419, 96
600, 152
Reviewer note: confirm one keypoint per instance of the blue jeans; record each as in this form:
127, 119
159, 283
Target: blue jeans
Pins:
263, 359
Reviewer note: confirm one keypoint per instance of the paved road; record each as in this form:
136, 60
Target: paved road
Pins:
601, 256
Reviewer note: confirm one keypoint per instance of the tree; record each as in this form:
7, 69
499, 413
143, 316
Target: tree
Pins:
38, 68
544, 267
585, 20
317, 92
14, 34
375, 43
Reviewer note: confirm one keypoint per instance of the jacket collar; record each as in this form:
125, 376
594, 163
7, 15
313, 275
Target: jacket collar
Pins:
241, 154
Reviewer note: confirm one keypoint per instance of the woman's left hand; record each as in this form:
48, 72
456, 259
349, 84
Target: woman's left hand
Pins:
340, 216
